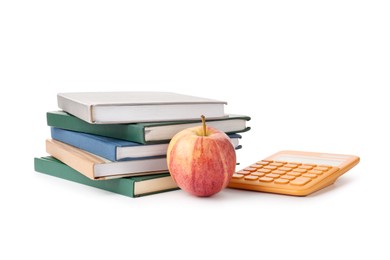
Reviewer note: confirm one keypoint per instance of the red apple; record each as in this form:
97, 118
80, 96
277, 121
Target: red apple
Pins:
201, 160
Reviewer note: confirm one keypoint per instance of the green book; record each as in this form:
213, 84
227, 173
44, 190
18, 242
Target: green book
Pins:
144, 133
130, 186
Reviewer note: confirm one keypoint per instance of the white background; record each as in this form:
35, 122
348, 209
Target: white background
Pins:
312, 75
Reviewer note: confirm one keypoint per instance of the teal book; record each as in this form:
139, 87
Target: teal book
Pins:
130, 186
144, 133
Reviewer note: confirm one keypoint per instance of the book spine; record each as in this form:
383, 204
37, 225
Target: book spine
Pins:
129, 132
55, 168
136, 133
85, 142
69, 155
82, 111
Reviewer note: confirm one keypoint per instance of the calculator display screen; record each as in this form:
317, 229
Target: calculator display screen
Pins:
312, 160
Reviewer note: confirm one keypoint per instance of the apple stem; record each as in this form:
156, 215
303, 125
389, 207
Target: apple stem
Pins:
203, 124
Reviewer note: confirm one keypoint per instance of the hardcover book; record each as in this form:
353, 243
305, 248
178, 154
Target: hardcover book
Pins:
144, 133
130, 186
115, 149
130, 107
96, 167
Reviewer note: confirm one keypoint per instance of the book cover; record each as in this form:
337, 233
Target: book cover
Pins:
145, 133
96, 167
115, 149
130, 186
130, 107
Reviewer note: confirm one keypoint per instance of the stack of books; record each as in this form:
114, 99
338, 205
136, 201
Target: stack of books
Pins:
117, 141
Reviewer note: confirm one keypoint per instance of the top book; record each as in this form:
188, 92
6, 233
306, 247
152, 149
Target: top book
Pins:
134, 107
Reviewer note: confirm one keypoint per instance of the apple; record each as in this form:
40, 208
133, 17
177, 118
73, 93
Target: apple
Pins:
201, 160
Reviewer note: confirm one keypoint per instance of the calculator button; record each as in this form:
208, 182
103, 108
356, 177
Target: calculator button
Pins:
283, 162
306, 167
299, 170
251, 178
262, 163
244, 172
294, 173
250, 169
291, 165
321, 168
278, 172
309, 175
257, 166
276, 164
271, 175
237, 176
264, 170
315, 172
269, 161
270, 167
266, 179
310, 164
259, 174
300, 181
287, 177
282, 181
285, 169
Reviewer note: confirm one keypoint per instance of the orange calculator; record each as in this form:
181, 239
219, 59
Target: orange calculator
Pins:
293, 172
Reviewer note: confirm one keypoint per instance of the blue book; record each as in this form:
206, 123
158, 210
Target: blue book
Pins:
115, 149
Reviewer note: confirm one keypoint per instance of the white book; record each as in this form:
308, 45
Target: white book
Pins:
134, 107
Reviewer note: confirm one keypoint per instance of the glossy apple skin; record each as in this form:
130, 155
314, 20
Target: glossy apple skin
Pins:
201, 165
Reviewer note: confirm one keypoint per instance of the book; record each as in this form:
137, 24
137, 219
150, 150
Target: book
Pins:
96, 167
115, 149
131, 107
130, 186
145, 133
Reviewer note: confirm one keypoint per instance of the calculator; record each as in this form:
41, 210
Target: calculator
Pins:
293, 172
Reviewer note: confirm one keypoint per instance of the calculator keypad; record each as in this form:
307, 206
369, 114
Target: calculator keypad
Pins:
280, 177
